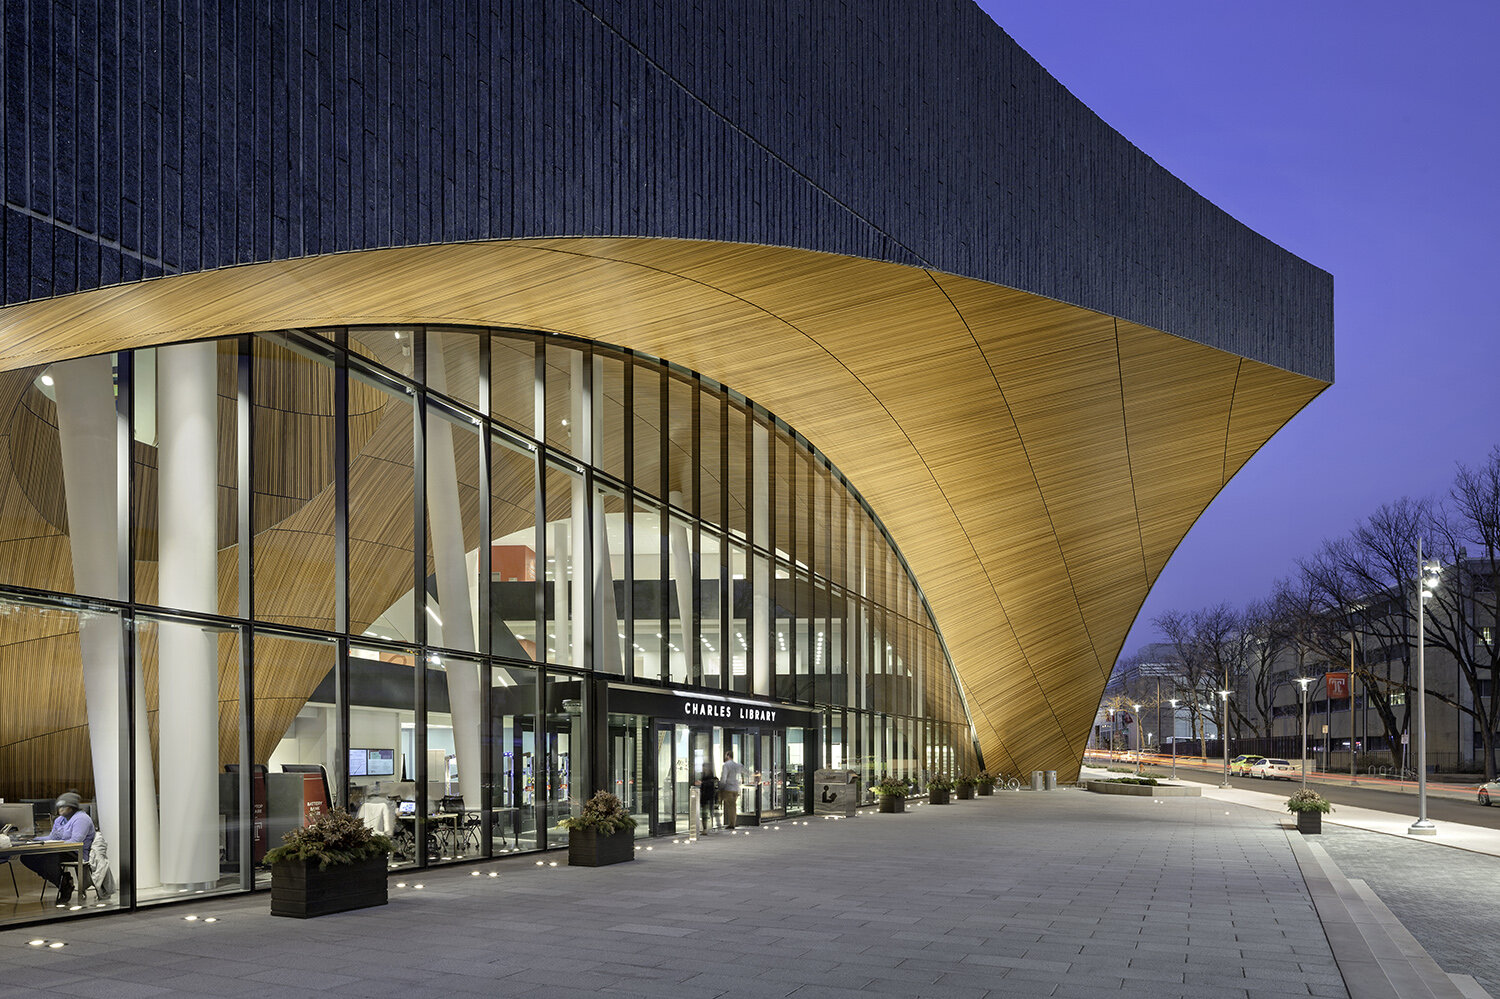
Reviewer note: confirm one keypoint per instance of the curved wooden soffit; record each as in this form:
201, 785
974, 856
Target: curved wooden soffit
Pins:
1035, 462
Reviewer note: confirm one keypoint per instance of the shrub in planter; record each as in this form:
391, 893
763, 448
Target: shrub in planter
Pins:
1309, 807
938, 790
985, 783
601, 833
965, 784
892, 792
333, 864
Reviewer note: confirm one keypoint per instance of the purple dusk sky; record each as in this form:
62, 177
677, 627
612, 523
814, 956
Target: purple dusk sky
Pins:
1365, 138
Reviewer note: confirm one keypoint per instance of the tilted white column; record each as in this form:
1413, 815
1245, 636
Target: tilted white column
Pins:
761, 575
455, 608
187, 672
86, 433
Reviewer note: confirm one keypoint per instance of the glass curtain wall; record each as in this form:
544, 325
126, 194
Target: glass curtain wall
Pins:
372, 568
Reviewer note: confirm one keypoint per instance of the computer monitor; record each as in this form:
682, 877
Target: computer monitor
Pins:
380, 762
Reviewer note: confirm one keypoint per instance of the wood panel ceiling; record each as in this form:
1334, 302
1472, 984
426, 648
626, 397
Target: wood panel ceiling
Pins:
1036, 463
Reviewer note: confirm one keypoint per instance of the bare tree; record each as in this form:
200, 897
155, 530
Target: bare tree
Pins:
1362, 585
1463, 615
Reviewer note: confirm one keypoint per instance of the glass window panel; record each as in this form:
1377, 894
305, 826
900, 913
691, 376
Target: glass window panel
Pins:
191, 683
381, 509
564, 787
389, 346
48, 743
763, 644
710, 620
57, 527
738, 639
453, 364
782, 636
296, 727
803, 494
185, 425
293, 474
513, 550
513, 381
737, 472
782, 485
567, 591
682, 409
452, 530
455, 768
710, 442
610, 632
386, 741
647, 417
564, 428
650, 593
513, 753
609, 398
680, 636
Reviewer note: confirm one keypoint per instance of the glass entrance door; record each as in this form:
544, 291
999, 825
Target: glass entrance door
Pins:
674, 785
771, 774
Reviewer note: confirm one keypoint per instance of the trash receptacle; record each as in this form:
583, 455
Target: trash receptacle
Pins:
1036, 780
1051, 779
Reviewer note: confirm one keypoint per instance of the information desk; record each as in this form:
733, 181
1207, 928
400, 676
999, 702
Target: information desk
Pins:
37, 849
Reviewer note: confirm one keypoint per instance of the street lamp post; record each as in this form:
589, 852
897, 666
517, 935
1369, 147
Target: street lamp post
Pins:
1173, 702
1224, 736
1137, 739
1303, 681
1426, 583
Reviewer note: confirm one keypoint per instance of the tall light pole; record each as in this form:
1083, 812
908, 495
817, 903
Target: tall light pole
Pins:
1173, 702
1137, 739
1224, 736
1303, 681
1427, 582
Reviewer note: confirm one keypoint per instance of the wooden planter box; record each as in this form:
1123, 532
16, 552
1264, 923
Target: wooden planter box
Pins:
938, 796
590, 848
985, 789
1309, 822
966, 792
892, 803
301, 890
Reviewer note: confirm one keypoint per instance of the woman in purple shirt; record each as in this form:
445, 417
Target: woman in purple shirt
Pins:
72, 825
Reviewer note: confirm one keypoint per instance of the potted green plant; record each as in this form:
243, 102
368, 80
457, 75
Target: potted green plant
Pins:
892, 792
985, 782
601, 834
938, 790
333, 864
965, 784
1308, 806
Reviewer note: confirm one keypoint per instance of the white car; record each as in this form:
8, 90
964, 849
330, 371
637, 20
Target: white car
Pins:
1279, 769
1489, 790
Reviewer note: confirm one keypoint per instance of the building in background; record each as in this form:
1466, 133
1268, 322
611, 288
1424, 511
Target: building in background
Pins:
478, 409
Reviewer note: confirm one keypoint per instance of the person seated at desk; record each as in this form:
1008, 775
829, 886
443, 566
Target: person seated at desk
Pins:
72, 825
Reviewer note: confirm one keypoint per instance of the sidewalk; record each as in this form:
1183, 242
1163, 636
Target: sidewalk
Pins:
1023, 894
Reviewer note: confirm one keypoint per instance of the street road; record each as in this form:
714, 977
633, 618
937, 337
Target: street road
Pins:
1443, 804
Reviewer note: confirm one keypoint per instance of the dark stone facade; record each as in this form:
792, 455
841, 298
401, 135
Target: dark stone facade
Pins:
144, 139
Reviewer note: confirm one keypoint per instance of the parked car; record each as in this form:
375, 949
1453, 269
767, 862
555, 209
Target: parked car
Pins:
1268, 769
1241, 764
1488, 790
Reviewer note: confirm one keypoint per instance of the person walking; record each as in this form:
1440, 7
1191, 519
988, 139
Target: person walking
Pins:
731, 776
708, 796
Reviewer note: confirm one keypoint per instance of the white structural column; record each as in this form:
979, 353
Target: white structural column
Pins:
560, 553
187, 675
682, 579
86, 432
760, 526
455, 608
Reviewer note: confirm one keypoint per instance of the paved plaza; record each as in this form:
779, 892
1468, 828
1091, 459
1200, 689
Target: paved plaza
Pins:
1064, 893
